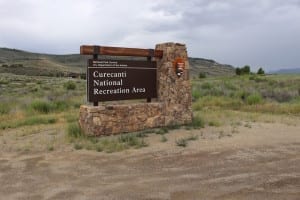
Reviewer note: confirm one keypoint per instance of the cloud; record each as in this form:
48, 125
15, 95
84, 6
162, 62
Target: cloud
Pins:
255, 32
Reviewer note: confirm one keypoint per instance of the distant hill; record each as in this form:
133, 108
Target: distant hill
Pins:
27, 63
210, 67
39, 64
287, 71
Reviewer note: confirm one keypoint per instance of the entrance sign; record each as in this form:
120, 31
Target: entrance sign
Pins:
109, 80
166, 79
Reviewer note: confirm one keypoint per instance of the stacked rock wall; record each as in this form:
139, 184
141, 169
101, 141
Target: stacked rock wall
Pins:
172, 107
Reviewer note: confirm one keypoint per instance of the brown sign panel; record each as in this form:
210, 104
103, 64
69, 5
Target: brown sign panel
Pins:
109, 80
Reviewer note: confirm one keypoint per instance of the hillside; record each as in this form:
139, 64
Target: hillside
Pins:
287, 71
27, 63
210, 67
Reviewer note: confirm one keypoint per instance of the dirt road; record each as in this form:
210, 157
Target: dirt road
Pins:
258, 162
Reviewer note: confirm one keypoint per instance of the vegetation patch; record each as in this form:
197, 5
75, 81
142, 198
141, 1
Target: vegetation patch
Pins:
70, 85
254, 99
46, 107
197, 122
183, 142
4, 108
30, 121
107, 144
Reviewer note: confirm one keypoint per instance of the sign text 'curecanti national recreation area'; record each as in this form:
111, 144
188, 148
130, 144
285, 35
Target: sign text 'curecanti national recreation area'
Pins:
110, 80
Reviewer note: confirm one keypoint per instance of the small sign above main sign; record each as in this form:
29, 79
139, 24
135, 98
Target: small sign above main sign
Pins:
109, 80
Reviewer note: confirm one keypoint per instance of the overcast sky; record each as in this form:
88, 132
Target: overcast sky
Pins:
262, 33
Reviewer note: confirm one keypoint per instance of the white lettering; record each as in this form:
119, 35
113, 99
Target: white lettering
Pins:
138, 90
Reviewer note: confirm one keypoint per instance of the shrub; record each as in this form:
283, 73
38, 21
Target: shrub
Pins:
163, 139
78, 146
197, 122
161, 131
202, 75
46, 107
254, 99
4, 109
196, 95
60, 105
70, 85
207, 86
214, 123
74, 131
41, 106
131, 140
182, 142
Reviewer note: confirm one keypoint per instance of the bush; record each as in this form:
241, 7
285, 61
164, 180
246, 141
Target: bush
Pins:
196, 95
47, 107
254, 99
181, 142
197, 122
132, 140
202, 75
42, 106
4, 109
60, 105
74, 131
70, 85
163, 139
207, 86
162, 131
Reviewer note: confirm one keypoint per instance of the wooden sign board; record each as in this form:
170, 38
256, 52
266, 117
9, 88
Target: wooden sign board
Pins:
109, 80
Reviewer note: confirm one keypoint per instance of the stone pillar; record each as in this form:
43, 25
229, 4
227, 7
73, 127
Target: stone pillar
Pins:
173, 91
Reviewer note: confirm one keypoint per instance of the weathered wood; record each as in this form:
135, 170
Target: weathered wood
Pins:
119, 51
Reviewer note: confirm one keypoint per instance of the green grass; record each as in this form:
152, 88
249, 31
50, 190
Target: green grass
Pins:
74, 131
254, 99
273, 94
46, 107
30, 121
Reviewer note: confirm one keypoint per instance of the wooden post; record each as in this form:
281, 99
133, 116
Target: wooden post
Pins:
95, 56
119, 51
149, 58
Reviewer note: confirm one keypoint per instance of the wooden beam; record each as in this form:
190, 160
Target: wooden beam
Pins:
119, 51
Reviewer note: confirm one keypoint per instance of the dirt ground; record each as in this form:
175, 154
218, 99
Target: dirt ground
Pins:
257, 161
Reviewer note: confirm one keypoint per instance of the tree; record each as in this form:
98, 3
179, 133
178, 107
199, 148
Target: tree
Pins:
260, 71
238, 71
246, 69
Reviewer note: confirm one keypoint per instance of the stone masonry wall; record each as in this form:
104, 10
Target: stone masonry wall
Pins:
172, 107
173, 91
